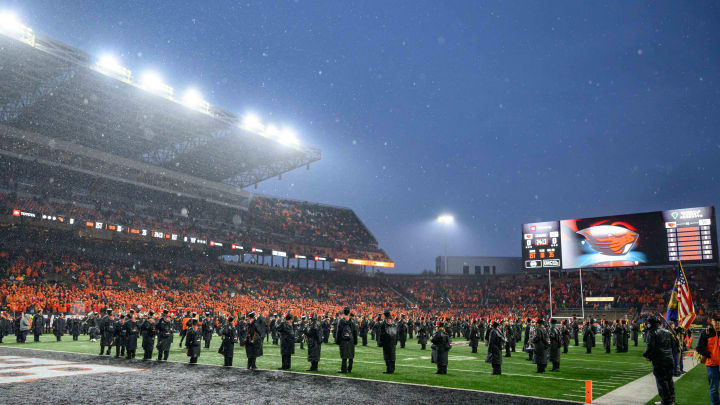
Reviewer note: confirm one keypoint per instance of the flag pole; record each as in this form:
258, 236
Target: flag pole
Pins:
550, 286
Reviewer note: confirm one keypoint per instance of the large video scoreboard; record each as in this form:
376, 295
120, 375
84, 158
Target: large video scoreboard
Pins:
646, 239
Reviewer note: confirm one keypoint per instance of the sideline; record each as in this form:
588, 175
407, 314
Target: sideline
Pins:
136, 362
640, 391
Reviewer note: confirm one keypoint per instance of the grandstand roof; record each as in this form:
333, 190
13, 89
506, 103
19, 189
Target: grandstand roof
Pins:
55, 90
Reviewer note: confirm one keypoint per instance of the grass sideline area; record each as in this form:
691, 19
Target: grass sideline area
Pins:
465, 370
691, 389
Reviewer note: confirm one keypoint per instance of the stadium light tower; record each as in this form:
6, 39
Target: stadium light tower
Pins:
445, 221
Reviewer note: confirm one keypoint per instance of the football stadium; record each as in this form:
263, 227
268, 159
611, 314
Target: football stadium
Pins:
140, 263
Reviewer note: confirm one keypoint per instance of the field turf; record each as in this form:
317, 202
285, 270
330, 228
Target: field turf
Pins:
691, 389
465, 370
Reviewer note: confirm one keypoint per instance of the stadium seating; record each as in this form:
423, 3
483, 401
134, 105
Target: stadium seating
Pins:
79, 284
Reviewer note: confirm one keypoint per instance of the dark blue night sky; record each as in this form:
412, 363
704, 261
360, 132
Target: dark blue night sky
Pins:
499, 113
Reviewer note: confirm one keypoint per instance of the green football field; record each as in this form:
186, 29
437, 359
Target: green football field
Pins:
465, 370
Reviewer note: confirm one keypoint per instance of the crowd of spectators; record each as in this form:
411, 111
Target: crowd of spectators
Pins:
291, 226
633, 291
43, 281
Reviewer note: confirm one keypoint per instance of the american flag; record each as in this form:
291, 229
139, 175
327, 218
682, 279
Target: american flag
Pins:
681, 305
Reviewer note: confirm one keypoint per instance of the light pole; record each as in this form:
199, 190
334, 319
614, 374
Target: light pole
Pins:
445, 220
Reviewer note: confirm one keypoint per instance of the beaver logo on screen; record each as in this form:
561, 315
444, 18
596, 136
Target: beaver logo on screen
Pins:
610, 239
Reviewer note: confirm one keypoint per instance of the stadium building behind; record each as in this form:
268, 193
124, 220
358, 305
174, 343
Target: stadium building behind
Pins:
477, 265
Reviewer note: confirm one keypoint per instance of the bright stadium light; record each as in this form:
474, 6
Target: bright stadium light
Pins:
272, 131
194, 99
445, 220
153, 82
288, 137
251, 122
11, 26
9, 22
109, 65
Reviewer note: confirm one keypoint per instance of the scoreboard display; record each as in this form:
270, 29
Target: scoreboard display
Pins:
646, 239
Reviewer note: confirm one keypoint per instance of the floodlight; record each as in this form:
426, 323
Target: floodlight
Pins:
272, 131
288, 137
109, 65
251, 122
9, 22
193, 98
153, 82
109, 62
446, 219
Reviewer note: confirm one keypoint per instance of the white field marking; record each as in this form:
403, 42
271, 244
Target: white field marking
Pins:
318, 375
574, 395
10, 362
30, 369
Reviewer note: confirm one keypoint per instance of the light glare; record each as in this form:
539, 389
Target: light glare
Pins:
151, 81
288, 137
10, 22
251, 122
446, 219
193, 98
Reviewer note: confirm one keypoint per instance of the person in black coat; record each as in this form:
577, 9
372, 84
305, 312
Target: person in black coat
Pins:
164, 329
606, 335
253, 340
565, 330
388, 336
659, 351
287, 342
326, 329
363, 330
440, 348
193, 341
75, 328
228, 335
575, 329
346, 338
527, 342
635, 328
509, 331
588, 337
556, 341
6, 324
59, 327
473, 334
107, 332
422, 334
147, 331
541, 342
402, 331
207, 329
496, 341
314, 335
120, 337
274, 322
132, 331
38, 326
